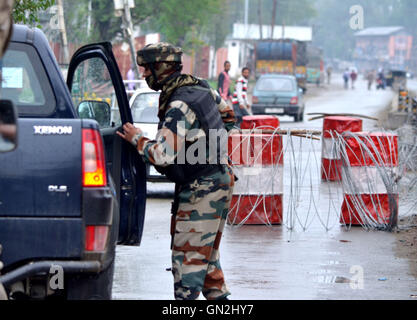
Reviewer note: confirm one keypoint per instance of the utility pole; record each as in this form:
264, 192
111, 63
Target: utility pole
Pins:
246, 30
62, 31
124, 6
246, 16
274, 11
260, 18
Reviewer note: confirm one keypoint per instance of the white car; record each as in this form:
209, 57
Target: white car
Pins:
138, 84
144, 104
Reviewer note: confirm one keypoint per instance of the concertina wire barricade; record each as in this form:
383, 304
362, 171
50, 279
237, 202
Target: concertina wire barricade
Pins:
281, 181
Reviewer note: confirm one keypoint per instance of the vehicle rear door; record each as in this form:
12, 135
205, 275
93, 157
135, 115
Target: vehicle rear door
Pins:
40, 185
93, 76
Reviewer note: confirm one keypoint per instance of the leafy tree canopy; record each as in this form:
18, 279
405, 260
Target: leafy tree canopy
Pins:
26, 11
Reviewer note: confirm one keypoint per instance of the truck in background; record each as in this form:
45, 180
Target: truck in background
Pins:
286, 56
315, 64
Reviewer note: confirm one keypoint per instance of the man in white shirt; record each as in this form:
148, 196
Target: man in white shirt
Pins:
240, 101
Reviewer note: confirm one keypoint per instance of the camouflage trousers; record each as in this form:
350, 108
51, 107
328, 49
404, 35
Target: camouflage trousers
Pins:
197, 231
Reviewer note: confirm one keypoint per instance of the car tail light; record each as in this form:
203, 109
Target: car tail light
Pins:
294, 100
96, 238
255, 100
94, 164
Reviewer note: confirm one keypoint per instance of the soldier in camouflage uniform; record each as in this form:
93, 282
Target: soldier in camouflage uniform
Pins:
187, 108
6, 24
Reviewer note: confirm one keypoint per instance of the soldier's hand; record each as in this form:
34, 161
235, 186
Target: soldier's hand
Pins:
129, 132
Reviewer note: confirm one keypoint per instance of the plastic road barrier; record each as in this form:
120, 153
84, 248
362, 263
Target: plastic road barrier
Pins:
370, 168
330, 156
257, 160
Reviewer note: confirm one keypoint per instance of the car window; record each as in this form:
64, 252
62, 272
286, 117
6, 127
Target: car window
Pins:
146, 100
148, 115
25, 82
275, 84
92, 83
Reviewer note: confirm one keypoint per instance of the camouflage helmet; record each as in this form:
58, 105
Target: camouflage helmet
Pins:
6, 24
158, 52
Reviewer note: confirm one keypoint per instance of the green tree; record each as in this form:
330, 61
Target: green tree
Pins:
105, 23
26, 11
220, 25
145, 11
185, 27
77, 17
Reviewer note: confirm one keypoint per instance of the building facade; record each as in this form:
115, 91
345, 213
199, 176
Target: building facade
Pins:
383, 47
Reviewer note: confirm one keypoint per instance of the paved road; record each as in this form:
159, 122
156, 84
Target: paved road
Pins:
263, 262
335, 99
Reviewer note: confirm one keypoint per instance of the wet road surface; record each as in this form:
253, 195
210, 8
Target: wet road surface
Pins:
264, 262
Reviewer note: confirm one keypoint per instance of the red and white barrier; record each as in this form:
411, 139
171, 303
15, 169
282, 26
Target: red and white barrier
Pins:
370, 165
330, 159
258, 161
259, 121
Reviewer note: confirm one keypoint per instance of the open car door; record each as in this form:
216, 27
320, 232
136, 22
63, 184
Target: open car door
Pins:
98, 93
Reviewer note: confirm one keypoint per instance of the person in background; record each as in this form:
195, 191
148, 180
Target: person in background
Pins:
381, 79
370, 77
240, 102
353, 77
346, 76
130, 76
223, 85
329, 74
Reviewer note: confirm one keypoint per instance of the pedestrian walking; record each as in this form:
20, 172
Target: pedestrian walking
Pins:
346, 76
188, 109
223, 85
240, 102
371, 78
353, 77
381, 80
329, 71
130, 77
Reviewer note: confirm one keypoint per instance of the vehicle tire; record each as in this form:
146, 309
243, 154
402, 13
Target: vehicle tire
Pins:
298, 117
3, 294
95, 287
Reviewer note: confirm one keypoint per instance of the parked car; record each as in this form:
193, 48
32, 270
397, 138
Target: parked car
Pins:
144, 105
278, 94
72, 188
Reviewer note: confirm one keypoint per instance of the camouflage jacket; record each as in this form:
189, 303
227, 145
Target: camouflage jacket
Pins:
180, 126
